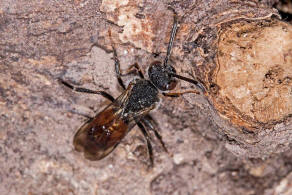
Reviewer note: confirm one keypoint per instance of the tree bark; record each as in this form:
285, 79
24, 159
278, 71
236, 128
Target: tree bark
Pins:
233, 139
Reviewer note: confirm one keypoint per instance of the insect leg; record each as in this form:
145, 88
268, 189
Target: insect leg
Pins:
149, 122
118, 68
89, 118
177, 94
149, 146
84, 90
117, 61
135, 68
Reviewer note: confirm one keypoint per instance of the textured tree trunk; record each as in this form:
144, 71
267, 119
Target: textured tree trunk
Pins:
235, 138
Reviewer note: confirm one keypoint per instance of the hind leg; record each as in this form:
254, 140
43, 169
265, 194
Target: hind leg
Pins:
148, 141
150, 124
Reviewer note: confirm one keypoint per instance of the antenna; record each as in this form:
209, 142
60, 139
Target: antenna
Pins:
193, 81
172, 36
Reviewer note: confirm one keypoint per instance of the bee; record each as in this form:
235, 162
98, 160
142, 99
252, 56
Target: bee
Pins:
99, 136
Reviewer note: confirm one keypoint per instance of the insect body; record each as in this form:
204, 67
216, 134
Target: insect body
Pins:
101, 134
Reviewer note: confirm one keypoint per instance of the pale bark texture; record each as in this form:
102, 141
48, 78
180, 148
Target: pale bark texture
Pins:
233, 139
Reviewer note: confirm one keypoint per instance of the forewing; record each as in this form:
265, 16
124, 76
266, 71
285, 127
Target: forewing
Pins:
99, 136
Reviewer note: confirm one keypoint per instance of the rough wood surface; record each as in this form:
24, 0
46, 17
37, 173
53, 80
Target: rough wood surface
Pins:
235, 139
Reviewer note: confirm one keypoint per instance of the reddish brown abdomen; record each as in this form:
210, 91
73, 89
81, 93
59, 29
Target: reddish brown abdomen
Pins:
101, 135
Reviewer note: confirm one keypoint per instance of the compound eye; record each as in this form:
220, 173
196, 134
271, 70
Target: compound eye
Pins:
171, 85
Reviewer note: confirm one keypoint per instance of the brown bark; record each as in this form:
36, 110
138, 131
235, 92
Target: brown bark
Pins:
234, 139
